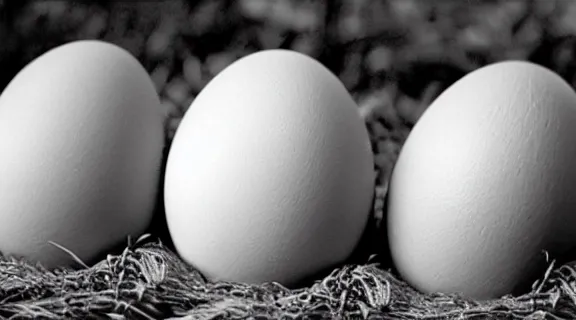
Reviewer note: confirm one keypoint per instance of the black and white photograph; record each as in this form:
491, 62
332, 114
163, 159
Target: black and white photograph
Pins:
288, 159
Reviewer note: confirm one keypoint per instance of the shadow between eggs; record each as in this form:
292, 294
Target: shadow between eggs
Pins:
158, 228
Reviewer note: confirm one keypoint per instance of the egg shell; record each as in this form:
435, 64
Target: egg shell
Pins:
485, 182
270, 175
81, 134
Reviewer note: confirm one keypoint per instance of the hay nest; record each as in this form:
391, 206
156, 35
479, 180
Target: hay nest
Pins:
149, 282
393, 56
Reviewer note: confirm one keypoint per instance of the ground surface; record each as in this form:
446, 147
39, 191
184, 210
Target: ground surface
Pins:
394, 56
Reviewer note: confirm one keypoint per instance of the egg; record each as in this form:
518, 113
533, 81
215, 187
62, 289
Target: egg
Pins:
81, 134
486, 183
270, 175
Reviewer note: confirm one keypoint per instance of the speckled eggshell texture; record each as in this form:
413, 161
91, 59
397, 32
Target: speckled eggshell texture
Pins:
485, 182
270, 176
81, 137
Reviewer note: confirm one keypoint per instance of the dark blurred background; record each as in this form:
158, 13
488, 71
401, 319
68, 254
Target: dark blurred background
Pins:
416, 47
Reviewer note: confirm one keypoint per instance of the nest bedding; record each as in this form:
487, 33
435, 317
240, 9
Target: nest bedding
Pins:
394, 57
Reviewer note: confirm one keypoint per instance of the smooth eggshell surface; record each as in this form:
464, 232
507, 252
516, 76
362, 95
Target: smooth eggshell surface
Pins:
270, 176
485, 182
81, 134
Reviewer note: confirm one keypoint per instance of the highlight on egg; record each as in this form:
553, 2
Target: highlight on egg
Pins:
270, 176
486, 182
81, 134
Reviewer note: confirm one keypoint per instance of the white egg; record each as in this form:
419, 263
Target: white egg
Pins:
270, 176
486, 182
81, 134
